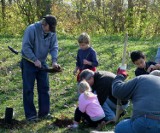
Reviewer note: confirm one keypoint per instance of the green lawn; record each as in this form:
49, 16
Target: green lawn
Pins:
63, 85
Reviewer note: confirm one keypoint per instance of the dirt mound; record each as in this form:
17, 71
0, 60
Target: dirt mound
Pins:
63, 121
13, 125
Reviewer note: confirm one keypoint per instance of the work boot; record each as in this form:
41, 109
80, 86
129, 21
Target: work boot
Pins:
33, 119
47, 117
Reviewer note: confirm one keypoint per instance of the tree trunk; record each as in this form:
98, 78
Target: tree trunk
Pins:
10, 2
117, 15
3, 9
98, 3
43, 8
130, 25
79, 10
38, 3
144, 8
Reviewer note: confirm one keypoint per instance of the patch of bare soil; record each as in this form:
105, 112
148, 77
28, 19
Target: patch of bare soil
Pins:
63, 121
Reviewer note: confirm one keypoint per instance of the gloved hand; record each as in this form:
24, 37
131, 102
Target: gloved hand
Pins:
123, 72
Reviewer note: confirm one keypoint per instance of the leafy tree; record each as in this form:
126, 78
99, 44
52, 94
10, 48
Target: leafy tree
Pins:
139, 17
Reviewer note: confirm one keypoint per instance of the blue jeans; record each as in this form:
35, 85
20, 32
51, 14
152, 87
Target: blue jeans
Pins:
110, 109
30, 73
139, 125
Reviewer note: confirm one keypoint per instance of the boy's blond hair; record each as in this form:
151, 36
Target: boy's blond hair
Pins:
84, 38
84, 87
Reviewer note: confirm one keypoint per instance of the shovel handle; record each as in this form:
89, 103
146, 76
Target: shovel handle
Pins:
13, 50
49, 70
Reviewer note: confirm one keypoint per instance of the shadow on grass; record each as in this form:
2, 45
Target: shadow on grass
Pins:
15, 124
62, 122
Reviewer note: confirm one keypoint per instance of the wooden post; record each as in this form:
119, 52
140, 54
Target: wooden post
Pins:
119, 109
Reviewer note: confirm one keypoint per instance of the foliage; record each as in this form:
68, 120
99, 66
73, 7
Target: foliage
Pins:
138, 18
63, 85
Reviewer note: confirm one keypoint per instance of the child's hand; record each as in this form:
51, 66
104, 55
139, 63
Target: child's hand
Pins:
151, 68
86, 62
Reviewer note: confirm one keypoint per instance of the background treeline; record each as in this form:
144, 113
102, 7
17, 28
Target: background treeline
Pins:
140, 18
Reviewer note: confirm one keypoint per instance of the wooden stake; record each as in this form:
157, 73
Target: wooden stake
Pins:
119, 109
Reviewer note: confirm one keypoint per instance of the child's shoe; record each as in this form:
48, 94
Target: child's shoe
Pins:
73, 126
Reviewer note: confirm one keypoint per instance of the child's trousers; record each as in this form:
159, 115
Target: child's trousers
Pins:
78, 115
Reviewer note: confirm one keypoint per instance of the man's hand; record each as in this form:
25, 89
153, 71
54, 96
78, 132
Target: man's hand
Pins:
86, 62
122, 72
55, 65
38, 64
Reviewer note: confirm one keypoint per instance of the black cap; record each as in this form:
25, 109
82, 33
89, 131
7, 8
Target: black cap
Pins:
51, 21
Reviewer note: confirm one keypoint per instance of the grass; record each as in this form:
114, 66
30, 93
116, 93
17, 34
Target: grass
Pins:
63, 92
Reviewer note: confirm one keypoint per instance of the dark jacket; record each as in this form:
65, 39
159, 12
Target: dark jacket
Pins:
103, 86
88, 54
142, 71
